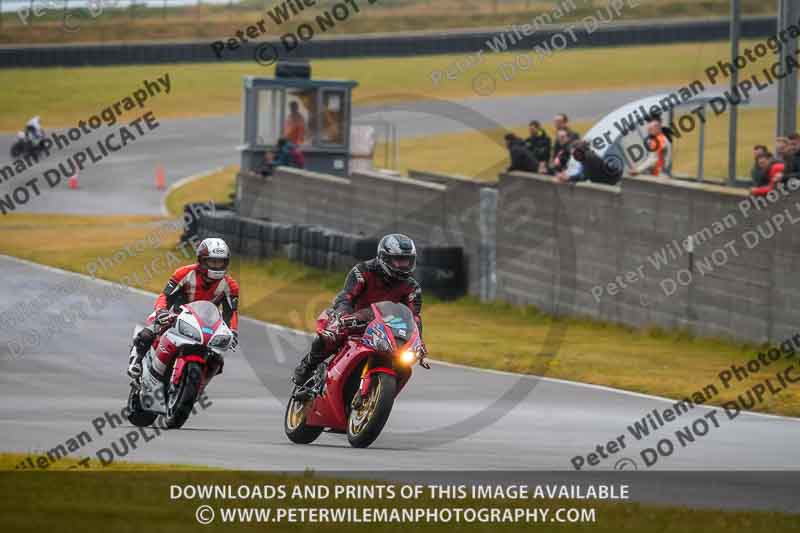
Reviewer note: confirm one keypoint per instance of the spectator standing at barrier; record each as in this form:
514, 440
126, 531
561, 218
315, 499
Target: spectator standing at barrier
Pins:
757, 174
588, 166
794, 140
659, 152
788, 151
521, 158
794, 148
666, 130
772, 169
785, 154
561, 122
562, 150
294, 128
267, 164
539, 145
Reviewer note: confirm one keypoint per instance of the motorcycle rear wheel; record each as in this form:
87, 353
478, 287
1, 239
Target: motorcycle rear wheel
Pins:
294, 422
366, 422
178, 411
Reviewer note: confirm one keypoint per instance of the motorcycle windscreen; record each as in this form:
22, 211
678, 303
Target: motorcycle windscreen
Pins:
206, 312
399, 318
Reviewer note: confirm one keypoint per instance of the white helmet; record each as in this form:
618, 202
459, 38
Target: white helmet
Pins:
213, 257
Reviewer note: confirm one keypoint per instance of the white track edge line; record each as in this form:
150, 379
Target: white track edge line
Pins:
181, 182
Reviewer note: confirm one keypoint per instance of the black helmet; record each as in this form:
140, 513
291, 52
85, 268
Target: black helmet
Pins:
397, 255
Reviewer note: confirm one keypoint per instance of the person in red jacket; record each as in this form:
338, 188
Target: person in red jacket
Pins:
205, 280
772, 170
387, 277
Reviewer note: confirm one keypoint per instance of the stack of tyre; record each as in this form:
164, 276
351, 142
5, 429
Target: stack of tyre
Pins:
440, 270
328, 249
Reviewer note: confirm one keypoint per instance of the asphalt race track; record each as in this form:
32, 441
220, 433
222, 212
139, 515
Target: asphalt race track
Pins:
449, 418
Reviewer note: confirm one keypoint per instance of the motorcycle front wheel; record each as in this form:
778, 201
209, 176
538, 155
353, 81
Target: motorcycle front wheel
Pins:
136, 415
366, 422
294, 422
182, 397
17, 148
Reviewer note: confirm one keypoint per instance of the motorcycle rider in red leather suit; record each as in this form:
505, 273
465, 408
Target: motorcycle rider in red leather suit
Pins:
387, 277
205, 280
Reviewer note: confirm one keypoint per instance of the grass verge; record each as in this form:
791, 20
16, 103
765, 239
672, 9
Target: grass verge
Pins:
497, 335
217, 186
133, 501
64, 96
18, 461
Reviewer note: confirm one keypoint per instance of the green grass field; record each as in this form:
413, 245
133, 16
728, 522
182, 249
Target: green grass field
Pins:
64, 96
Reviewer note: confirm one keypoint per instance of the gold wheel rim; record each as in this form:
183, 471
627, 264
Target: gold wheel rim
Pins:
296, 414
360, 417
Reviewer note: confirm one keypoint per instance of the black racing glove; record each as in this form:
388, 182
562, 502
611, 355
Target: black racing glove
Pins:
163, 317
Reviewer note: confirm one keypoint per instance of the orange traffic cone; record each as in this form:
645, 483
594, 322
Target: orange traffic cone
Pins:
72, 182
161, 182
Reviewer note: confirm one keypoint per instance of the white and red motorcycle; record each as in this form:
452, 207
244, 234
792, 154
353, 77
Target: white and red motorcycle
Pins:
198, 337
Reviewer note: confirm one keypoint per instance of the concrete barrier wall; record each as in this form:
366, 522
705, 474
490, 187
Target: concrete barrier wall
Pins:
462, 210
611, 253
621, 255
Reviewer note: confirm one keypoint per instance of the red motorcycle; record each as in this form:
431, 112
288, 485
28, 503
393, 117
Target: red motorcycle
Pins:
355, 391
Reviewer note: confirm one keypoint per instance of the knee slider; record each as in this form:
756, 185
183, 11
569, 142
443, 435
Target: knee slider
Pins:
318, 344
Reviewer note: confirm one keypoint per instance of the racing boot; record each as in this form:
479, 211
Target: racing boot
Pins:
141, 344
134, 363
302, 372
315, 356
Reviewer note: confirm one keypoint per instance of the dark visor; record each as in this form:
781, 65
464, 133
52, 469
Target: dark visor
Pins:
402, 262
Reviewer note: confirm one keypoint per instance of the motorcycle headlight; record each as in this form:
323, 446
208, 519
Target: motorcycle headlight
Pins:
408, 357
187, 330
220, 341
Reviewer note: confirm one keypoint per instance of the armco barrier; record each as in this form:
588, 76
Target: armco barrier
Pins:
380, 45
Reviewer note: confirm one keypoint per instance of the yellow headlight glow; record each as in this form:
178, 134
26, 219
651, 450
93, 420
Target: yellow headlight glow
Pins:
408, 357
